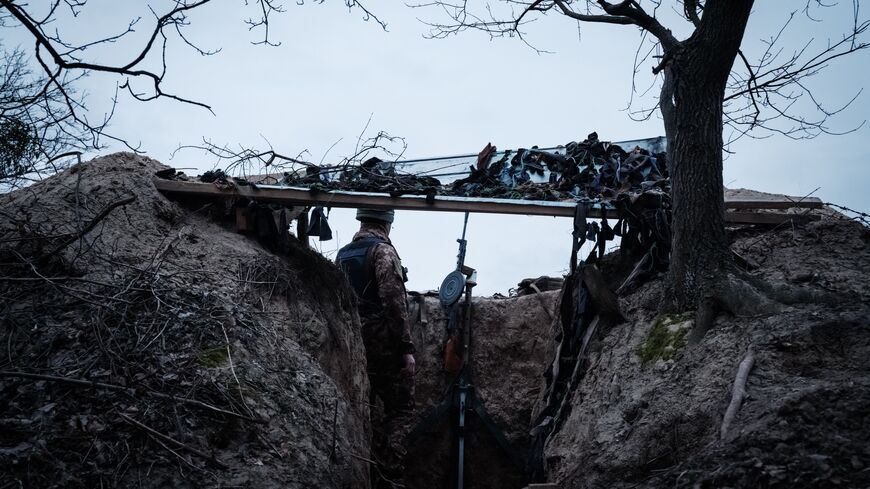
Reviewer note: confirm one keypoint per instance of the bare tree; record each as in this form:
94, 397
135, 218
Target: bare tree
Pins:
36, 127
41, 110
702, 90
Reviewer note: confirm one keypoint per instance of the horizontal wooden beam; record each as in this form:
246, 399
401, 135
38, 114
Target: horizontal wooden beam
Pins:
445, 203
767, 217
772, 202
337, 198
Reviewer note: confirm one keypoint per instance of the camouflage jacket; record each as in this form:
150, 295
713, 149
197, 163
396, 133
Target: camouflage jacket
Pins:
390, 328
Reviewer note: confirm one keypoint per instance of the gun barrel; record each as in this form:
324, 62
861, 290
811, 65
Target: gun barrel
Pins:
460, 258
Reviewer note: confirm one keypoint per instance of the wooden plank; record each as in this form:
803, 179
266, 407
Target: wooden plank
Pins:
301, 196
297, 196
766, 217
773, 203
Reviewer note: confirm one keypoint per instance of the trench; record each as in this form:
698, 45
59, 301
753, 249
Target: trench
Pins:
511, 347
646, 414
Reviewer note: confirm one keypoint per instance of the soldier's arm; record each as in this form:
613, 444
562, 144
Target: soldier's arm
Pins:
391, 288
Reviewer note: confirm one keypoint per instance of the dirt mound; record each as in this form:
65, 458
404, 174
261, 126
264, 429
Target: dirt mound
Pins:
146, 345
649, 409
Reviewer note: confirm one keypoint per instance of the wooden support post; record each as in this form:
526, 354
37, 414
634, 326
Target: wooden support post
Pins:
302, 228
242, 224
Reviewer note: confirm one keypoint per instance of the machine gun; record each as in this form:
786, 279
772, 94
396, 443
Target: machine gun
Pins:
460, 395
463, 279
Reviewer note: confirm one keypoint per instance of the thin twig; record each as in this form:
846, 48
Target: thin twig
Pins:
99, 217
169, 439
377, 467
170, 450
543, 302
232, 366
131, 391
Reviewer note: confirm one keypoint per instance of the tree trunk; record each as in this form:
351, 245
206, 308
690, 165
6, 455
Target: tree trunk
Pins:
699, 71
700, 246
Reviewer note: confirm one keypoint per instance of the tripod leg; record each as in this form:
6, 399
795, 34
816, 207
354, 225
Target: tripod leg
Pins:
431, 418
512, 453
460, 463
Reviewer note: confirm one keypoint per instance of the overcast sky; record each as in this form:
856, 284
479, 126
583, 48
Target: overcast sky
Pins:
333, 71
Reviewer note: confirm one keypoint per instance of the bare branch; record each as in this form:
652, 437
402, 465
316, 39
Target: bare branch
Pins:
606, 19
244, 161
633, 10
690, 8
63, 62
772, 95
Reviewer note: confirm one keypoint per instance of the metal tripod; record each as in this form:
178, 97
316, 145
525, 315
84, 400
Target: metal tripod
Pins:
460, 395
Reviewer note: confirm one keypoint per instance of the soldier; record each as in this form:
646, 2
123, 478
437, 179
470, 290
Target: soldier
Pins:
375, 272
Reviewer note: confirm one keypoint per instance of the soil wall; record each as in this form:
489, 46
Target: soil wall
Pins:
649, 409
158, 302
510, 346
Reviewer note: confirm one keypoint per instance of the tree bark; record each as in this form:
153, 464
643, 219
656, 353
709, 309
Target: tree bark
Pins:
699, 71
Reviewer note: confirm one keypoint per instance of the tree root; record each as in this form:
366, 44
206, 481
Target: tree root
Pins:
704, 318
744, 295
738, 392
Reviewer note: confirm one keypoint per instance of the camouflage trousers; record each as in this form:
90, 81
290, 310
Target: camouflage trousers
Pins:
394, 386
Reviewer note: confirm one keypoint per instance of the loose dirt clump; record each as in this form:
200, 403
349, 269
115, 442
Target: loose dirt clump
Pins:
147, 345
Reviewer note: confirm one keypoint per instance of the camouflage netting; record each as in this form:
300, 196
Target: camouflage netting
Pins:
591, 170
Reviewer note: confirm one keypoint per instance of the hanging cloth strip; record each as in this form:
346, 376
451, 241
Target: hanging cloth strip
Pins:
319, 224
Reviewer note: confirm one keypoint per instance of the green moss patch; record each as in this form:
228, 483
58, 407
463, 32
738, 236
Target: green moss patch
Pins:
666, 338
213, 357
